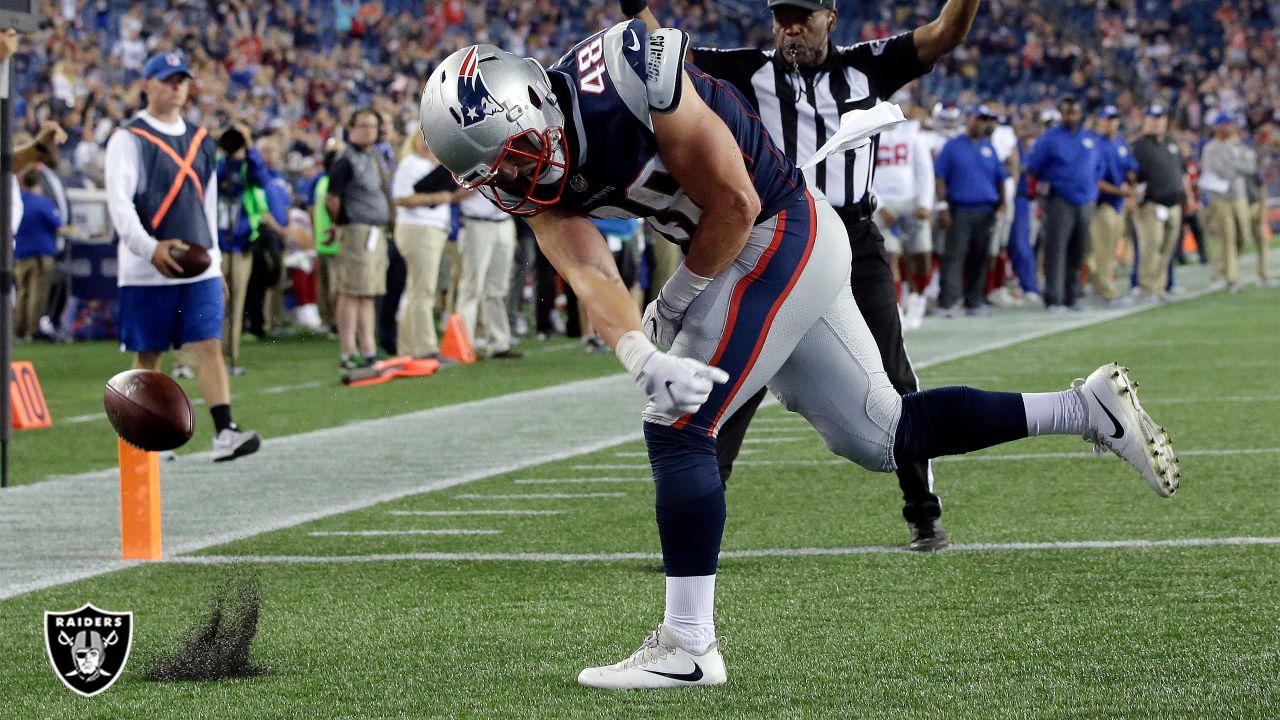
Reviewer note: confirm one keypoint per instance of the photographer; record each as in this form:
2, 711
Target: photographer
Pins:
252, 212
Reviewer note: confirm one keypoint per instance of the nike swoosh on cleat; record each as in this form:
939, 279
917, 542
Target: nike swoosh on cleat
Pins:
1119, 433
694, 676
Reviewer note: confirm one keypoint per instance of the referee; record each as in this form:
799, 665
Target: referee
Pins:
801, 88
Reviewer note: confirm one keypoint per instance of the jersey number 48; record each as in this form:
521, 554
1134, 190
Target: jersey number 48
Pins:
591, 66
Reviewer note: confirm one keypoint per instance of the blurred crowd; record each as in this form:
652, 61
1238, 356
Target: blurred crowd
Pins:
290, 74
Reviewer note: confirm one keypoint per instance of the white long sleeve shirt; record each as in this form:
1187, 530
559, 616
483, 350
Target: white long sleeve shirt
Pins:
904, 167
411, 169
137, 245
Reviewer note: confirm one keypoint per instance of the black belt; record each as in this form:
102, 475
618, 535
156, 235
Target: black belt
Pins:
860, 211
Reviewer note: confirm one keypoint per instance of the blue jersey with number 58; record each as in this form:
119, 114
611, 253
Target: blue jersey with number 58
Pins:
608, 86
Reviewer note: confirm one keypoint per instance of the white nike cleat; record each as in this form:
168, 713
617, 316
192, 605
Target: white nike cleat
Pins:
659, 663
230, 444
1117, 422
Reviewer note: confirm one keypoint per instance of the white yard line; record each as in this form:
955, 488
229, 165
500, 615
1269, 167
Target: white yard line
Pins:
726, 555
582, 481
541, 496
643, 454
456, 513
1002, 457
387, 533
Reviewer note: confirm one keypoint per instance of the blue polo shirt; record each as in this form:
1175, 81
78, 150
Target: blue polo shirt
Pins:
1117, 163
972, 172
1070, 162
38, 232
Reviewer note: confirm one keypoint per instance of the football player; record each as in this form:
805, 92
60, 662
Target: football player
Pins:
621, 127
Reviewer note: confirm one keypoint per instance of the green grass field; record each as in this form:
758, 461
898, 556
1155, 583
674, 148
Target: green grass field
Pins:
853, 629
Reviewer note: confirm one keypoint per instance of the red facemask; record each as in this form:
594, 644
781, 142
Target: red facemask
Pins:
534, 153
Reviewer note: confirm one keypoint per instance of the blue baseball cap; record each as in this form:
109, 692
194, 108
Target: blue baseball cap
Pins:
164, 65
1156, 110
982, 111
1222, 117
1108, 112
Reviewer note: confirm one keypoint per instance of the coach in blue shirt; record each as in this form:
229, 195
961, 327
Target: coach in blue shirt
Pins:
34, 248
1067, 159
1115, 191
969, 177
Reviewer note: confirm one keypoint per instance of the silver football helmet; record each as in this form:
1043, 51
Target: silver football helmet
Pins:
493, 120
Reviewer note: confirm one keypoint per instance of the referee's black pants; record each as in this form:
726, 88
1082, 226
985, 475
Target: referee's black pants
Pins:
873, 289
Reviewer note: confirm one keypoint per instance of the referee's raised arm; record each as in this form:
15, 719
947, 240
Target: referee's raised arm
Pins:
944, 34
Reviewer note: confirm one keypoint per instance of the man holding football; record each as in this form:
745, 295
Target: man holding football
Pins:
162, 193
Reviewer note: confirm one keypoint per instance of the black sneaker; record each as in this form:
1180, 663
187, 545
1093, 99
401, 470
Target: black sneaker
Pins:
355, 361
927, 535
507, 354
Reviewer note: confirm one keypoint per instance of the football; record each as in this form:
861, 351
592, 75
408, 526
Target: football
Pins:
149, 410
194, 260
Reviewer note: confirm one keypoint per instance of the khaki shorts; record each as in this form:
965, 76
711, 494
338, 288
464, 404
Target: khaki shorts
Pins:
361, 271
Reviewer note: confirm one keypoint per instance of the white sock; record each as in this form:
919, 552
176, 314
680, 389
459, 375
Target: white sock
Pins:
690, 611
1055, 413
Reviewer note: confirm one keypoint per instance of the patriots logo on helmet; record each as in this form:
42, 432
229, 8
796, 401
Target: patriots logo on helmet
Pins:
473, 96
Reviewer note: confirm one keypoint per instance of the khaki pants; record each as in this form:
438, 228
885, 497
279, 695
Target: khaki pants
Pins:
236, 268
1258, 218
1105, 231
488, 250
450, 271
33, 277
326, 287
273, 313
666, 258
1157, 240
362, 269
422, 247
1228, 224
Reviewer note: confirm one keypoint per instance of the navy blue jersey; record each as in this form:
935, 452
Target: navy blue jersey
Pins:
609, 85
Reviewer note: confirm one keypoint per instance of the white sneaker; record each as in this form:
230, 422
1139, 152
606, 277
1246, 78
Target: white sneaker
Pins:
1000, 297
230, 444
917, 304
182, 371
1117, 422
659, 663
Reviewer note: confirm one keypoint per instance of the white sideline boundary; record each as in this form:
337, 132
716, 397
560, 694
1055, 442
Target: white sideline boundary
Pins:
726, 555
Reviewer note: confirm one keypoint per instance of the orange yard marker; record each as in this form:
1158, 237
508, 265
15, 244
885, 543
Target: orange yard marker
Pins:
139, 503
26, 399
457, 345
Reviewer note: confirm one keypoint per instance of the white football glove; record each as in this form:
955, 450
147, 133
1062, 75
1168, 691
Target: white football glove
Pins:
678, 385
661, 323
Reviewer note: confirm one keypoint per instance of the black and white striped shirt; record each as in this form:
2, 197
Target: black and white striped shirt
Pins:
802, 107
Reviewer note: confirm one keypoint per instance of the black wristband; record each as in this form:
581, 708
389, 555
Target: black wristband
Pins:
631, 8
